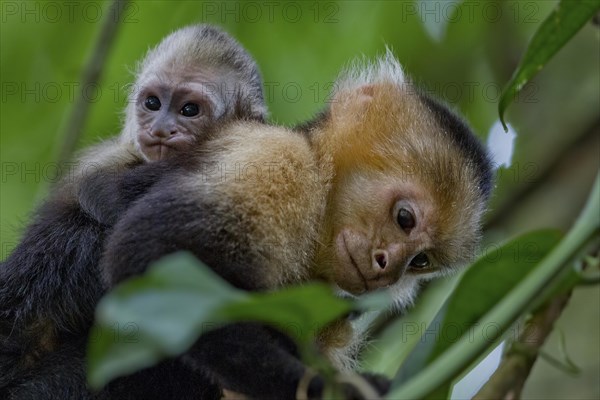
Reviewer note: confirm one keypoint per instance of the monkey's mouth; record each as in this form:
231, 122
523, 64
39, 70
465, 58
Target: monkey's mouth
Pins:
345, 280
158, 151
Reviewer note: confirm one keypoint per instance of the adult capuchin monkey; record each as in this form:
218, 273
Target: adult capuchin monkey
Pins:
196, 79
385, 189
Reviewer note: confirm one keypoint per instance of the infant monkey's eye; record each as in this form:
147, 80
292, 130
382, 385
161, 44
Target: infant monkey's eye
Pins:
152, 103
406, 220
420, 261
190, 110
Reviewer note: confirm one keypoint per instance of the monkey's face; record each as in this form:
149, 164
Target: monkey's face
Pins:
405, 205
173, 116
383, 230
394, 232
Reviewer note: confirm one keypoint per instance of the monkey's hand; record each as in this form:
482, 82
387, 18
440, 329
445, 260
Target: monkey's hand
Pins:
98, 195
352, 386
107, 193
140, 179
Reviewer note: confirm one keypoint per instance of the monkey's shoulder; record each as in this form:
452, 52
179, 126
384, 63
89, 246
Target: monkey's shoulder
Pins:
260, 158
268, 177
113, 154
261, 142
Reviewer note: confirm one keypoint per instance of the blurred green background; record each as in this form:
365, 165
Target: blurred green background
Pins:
464, 52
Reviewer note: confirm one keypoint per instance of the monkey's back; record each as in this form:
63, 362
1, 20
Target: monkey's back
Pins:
264, 181
250, 205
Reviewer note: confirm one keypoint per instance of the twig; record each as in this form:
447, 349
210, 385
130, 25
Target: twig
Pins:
91, 75
508, 380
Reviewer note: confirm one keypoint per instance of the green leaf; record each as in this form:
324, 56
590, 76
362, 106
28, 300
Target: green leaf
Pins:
163, 312
300, 311
484, 285
489, 280
481, 287
560, 26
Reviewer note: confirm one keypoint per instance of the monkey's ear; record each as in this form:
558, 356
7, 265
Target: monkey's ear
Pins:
352, 102
367, 90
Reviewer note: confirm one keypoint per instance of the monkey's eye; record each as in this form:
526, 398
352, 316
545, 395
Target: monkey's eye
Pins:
152, 103
190, 110
406, 220
419, 261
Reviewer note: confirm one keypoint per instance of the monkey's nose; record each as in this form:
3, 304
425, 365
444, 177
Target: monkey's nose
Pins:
380, 259
163, 133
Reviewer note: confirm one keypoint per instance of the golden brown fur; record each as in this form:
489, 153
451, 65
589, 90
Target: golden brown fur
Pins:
321, 207
382, 191
381, 136
276, 190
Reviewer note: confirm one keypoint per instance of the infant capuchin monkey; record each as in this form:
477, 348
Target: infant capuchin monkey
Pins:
385, 189
196, 79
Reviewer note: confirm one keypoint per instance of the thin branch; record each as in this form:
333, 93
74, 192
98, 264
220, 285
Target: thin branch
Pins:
91, 75
508, 380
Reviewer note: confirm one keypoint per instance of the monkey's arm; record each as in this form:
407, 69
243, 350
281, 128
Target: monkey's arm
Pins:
255, 360
56, 376
101, 176
247, 358
107, 192
49, 286
50, 283
60, 375
52, 273
100, 195
171, 218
